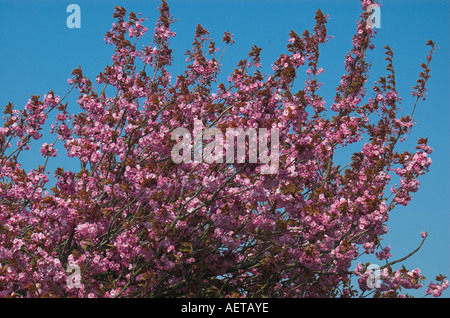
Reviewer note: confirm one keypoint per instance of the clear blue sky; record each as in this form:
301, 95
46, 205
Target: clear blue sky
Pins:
38, 52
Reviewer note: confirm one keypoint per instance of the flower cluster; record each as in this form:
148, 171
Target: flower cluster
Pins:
136, 224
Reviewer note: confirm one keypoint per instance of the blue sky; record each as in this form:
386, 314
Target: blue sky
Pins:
38, 52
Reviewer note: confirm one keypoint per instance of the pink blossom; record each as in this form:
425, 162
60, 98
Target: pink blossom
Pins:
134, 223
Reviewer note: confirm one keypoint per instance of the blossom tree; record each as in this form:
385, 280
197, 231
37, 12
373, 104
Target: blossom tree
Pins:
133, 223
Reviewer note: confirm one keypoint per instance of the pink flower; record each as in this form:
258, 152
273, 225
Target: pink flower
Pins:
48, 150
128, 220
384, 253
